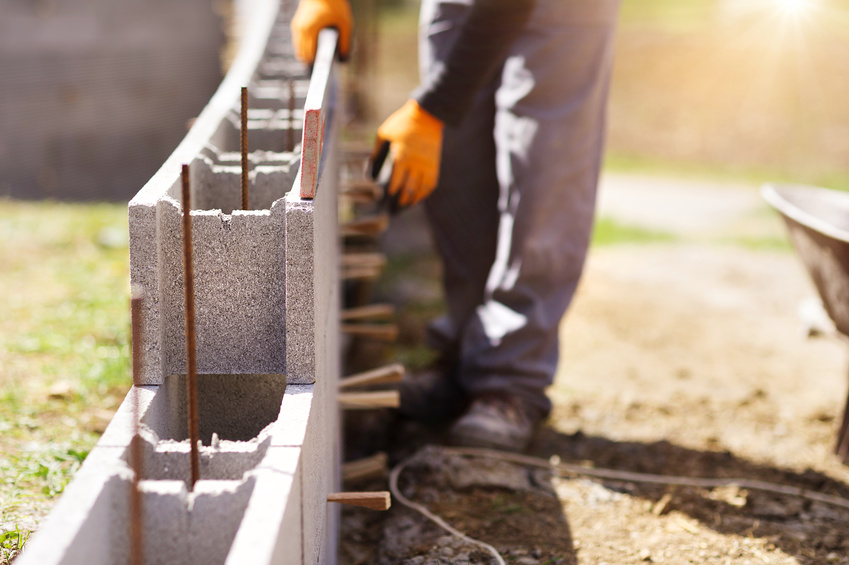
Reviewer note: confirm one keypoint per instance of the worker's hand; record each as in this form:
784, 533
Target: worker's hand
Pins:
415, 144
311, 17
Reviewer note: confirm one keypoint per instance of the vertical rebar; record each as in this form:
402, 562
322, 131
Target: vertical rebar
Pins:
290, 130
191, 345
244, 147
136, 550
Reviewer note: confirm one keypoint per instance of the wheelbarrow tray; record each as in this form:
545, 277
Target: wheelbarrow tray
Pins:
817, 221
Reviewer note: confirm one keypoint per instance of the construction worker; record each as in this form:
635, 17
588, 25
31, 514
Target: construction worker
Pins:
503, 143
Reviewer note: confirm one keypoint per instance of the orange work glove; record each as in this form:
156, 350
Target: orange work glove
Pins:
311, 17
415, 144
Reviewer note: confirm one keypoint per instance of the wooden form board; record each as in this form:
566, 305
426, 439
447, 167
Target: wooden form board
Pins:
315, 112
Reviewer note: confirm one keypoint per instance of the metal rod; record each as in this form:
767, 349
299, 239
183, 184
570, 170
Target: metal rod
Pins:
244, 147
290, 130
191, 345
136, 453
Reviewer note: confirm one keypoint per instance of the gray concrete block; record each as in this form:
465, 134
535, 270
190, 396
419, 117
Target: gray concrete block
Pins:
312, 288
82, 526
243, 330
91, 521
267, 307
166, 522
216, 179
216, 509
291, 426
240, 312
271, 533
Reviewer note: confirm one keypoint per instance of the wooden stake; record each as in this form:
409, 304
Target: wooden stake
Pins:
371, 500
356, 151
370, 312
368, 468
380, 332
191, 344
363, 191
365, 273
372, 225
244, 147
390, 374
370, 400
377, 260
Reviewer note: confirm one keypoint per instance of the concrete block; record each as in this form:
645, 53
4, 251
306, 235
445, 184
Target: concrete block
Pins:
154, 241
239, 290
271, 533
169, 460
122, 427
82, 526
312, 287
216, 509
166, 522
91, 521
291, 426
216, 178
267, 309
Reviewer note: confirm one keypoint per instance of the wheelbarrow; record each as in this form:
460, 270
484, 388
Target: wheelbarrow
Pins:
818, 224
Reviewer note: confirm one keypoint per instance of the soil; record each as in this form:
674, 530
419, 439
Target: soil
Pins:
678, 358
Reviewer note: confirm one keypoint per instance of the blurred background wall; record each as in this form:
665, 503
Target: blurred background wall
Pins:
95, 94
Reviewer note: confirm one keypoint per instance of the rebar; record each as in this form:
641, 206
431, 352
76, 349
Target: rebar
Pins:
244, 147
191, 344
290, 130
136, 533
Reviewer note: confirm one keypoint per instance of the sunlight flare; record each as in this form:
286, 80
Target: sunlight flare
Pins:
796, 8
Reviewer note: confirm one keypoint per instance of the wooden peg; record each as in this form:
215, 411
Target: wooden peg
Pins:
360, 273
353, 260
372, 467
370, 400
356, 152
363, 191
375, 312
372, 225
381, 500
380, 332
389, 374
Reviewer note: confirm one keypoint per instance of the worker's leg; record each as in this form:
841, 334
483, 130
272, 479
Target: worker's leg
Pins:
549, 131
463, 215
462, 211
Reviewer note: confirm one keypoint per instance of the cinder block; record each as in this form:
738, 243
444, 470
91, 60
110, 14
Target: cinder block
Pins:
239, 271
215, 514
166, 522
267, 309
217, 176
271, 533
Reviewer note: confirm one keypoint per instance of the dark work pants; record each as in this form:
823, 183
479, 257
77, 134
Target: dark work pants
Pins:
513, 211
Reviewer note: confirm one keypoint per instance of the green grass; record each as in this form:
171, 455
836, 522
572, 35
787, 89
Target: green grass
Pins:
64, 347
619, 162
11, 543
608, 231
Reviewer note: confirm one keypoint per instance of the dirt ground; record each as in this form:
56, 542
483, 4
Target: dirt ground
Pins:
681, 358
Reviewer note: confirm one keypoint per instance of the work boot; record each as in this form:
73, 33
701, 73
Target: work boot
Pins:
432, 397
496, 421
